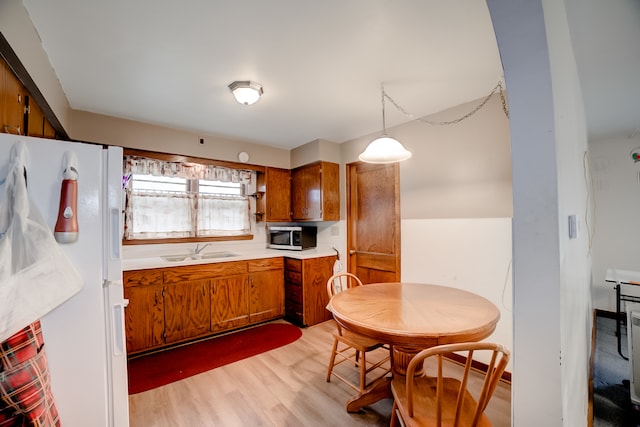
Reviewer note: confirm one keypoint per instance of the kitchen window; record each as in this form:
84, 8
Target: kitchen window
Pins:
182, 200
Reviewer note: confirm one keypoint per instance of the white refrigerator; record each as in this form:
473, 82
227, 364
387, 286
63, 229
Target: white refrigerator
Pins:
84, 337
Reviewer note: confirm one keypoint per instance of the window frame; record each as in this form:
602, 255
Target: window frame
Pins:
189, 159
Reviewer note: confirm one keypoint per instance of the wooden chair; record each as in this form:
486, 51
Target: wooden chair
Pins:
349, 346
444, 401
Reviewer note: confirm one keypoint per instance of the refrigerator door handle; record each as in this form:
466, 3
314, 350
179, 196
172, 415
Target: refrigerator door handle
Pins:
118, 328
114, 241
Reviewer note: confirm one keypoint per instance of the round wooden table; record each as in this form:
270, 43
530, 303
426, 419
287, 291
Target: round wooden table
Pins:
411, 317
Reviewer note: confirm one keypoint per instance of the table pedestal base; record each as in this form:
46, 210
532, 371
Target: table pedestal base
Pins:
381, 388
378, 390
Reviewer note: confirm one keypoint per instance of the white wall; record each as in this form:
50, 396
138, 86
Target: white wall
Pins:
86, 126
552, 315
616, 195
456, 171
473, 254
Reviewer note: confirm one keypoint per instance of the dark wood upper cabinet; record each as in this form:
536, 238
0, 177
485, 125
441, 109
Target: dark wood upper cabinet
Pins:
273, 203
315, 192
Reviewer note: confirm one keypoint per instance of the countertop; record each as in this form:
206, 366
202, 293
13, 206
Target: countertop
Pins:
156, 261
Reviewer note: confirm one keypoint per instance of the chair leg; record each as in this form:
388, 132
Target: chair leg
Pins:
394, 415
332, 361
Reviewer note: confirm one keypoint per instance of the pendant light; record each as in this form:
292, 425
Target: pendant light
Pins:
384, 149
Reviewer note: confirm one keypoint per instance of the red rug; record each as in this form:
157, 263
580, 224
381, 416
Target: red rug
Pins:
155, 370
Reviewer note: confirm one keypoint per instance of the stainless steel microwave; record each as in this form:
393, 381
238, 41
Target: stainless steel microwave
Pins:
295, 238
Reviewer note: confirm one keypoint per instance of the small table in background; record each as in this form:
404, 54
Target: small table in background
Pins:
622, 277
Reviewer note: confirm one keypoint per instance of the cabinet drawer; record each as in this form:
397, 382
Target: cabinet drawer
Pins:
293, 292
204, 271
141, 277
293, 311
265, 264
293, 277
291, 264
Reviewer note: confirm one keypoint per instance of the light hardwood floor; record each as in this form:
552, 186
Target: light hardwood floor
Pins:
283, 387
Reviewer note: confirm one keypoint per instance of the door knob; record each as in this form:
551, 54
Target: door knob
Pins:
352, 251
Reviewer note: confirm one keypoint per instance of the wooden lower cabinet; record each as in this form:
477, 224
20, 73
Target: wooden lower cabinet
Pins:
144, 316
229, 302
187, 312
266, 279
306, 289
171, 305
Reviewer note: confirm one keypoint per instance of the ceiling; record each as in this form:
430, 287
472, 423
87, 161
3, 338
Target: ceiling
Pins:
321, 63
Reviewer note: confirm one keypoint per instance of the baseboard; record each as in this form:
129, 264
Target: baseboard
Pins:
480, 366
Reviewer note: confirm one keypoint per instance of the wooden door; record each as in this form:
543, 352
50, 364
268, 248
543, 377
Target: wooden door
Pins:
373, 221
278, 193
187, 310
267, 295
274, 187
315, 273
144, 317
35, 121
305, 193
12, 103
229, 302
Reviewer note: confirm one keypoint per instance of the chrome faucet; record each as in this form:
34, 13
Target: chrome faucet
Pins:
199, 249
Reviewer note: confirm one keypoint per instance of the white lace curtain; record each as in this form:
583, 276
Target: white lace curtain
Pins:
155, 167
165, 214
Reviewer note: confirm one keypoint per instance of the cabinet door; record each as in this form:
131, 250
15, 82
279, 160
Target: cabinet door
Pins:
144, 317
186, 310
315, 273
267, 295
330, 191
12, 103
315, 192
229, 302
35, 124
278, 194
303, 184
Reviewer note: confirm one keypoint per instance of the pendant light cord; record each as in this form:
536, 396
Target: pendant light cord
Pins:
498, 88
384, 94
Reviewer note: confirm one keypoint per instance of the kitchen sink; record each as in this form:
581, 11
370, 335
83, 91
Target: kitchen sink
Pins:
208, 255
221, 254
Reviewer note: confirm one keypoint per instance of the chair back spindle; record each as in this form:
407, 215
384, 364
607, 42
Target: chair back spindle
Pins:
449, 402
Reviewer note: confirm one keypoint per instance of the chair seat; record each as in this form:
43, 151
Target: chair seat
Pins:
425, 403
359, 342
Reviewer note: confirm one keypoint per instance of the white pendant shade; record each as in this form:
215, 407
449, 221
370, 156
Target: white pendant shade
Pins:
246, 92
384, 150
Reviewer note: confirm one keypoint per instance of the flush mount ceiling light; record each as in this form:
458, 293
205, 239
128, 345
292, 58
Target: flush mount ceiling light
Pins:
384, 149
246, 92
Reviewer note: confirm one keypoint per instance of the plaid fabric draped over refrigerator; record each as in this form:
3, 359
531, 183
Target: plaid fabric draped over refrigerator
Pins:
25, 389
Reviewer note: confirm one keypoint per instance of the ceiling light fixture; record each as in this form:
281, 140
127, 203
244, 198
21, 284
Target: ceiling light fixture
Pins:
246, 92
384, 149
